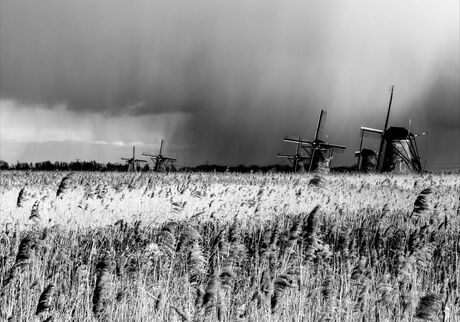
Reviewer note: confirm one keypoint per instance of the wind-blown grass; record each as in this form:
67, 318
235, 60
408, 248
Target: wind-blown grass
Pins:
181, 247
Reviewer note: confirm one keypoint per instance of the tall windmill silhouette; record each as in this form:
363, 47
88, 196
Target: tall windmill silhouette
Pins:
315, 151
161, 163
133, 163
397, 150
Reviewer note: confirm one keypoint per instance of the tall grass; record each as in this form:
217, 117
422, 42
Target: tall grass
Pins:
229, 247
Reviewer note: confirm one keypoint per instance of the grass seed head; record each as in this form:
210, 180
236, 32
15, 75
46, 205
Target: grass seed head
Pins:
428, 306
44, 302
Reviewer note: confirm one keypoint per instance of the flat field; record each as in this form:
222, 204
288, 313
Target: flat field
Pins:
229, 247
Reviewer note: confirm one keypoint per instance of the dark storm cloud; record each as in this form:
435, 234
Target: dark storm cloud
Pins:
244, 72
153, 56
111, 56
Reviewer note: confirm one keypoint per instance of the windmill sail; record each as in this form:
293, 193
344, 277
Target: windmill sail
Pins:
133, 163
160, 162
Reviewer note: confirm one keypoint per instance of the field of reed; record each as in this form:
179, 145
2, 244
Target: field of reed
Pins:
229, 247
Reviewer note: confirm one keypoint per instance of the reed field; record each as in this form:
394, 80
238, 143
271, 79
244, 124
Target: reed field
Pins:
229, 247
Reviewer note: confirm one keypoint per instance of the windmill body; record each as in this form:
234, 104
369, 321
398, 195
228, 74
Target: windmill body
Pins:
160, 162
311, 154
367, 160
133, 163
401, 152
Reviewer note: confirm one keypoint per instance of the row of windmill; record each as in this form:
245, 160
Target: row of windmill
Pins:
397, 151
161, 163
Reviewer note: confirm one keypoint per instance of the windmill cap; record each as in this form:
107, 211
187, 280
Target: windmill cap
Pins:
397, 133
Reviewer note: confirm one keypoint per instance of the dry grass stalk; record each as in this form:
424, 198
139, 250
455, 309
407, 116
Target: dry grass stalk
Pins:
211, 293
167, 241
309, 230
102, 290
196, 263
182, 315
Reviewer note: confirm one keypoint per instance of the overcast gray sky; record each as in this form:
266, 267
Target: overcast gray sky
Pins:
223, 81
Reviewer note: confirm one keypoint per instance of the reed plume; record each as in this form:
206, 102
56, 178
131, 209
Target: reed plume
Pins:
22, 197
315, 181
421, 203
35, 213
64, 185
282, 282
44, 302
428, 306
24, 251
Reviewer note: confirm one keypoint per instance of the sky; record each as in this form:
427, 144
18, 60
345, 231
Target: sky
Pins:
224, 81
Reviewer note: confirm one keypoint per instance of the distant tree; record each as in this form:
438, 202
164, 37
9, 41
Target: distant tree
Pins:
22, 166
116, 167
4, 165
62, 166
76, 166
44, 166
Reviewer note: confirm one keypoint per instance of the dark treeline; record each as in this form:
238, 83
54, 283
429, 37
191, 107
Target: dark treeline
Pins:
95, 166
239, 168
65, 166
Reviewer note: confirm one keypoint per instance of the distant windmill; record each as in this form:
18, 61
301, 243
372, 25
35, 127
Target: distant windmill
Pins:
315, 152
133, 163
161, 163
295, 159
397, 150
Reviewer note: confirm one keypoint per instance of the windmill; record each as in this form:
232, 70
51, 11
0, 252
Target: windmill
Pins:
397, 152
161, 163
316, 152
295, 159
133, 163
